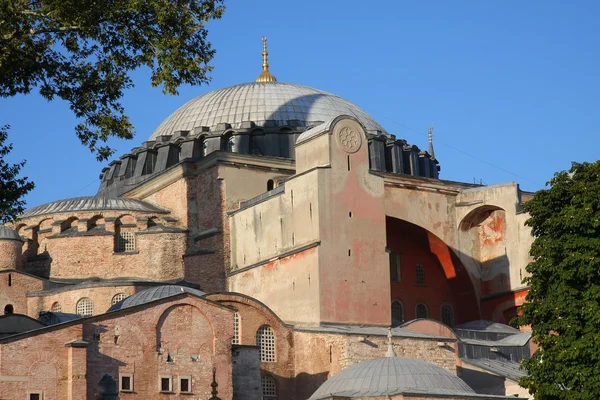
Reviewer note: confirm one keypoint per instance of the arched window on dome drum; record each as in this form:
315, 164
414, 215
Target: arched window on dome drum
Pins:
204, 148
269, 389
85, 307
447, 315
56, 307
265, 340
420, 272
117, 298
228, 143
397, 312
237, 328
421, 310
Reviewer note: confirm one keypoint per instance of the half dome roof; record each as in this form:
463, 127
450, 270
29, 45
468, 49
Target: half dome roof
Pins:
7, 233
152, 294
391, 376
260, 102
93, 203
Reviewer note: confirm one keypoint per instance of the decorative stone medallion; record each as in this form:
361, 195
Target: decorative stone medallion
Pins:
349, 139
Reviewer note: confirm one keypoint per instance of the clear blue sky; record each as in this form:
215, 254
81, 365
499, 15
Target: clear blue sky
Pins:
512, 88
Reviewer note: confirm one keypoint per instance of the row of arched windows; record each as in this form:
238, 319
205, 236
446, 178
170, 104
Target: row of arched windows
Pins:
85, 306
421, 311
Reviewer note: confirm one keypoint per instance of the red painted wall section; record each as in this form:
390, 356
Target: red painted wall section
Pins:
503, 308
446, 279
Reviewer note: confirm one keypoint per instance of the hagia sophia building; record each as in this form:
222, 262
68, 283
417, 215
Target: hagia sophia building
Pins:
269, 241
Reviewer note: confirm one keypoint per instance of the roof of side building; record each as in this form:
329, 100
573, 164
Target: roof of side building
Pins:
93, 203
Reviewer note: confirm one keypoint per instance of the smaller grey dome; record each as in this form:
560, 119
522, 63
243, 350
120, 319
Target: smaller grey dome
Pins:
155, 293
392, 376
9, 234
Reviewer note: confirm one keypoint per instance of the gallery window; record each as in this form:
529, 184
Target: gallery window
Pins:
265, 340
420, 272
447, 315
421, 310
118, 297
397, 312
236, 328
269, 389
85, 307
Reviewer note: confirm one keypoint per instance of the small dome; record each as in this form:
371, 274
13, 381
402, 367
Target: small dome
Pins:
392, 376
155, 293
259, 102
7, 233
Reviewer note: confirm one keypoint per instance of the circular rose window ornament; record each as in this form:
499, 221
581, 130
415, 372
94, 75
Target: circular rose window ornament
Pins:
349, 139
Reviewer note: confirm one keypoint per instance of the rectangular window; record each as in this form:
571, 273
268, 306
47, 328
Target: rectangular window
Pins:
34, 396
395, 275
185, 384
420, 272
125, 242
166, 384
126, 383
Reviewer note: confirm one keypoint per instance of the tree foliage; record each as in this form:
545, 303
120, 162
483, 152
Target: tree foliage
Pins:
12, 188
563, 304
83, 52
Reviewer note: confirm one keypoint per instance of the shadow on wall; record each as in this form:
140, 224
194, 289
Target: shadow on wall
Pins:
301, 387
446, 279
483, 382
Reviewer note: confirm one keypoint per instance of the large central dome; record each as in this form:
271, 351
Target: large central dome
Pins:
260, 102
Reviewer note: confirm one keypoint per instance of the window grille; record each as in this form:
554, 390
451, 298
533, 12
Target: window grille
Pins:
447, 315
125, 242
118, 297
236, 328
397, 312
420, 269
85, 307
265, 340
269, 389
56, 307
394, 267
421, 310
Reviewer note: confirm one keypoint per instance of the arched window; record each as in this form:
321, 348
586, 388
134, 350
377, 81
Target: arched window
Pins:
236, 328
265, 340
56, 307
397, 312
118, 297
228, 143
9, 309
270, 184
269, 389
125, 235
421, 310
420, 271
447, 315
395, 275
85, 307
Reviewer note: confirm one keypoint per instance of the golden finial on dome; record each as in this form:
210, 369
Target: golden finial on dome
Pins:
265, 76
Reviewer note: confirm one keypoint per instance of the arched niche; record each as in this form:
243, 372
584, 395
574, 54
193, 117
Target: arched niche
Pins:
446, 280
188, 322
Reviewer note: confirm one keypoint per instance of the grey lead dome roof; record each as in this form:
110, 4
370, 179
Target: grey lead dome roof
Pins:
92, 203
7, 233
259, 102
155, 293
391, 376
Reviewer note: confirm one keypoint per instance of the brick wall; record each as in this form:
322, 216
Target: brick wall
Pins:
13, 289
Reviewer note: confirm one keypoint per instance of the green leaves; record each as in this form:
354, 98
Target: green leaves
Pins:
12, 188
83, 52
563, 305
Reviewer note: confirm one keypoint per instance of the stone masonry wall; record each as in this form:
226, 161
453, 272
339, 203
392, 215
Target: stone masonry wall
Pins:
13, 290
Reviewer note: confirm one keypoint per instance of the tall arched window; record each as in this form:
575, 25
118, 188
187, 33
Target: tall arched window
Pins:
85, 307
269, 389
56, 307
118, 297
447, 315
236, 328
265, 340
125, 228
9, 309
421, 310
397, 312
420, 271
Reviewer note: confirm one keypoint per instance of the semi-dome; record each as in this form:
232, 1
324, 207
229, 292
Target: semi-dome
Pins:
283, 103
392, 376
93, 203
152, 294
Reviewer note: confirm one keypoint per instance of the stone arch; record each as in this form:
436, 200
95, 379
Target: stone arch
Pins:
446, 278
69, 223
482, 238
189, 321
95, 222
